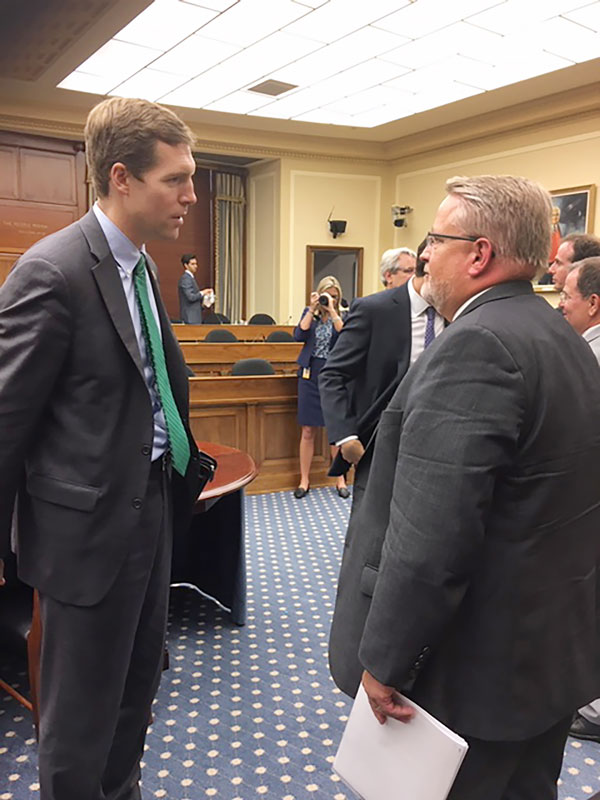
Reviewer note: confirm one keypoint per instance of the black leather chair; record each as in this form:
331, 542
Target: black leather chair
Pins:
224, 318
280, 336
16, 612
220, 336
212, 319
261, 319
252, 366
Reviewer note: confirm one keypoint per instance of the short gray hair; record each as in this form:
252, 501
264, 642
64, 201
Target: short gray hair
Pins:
588, 277
513, 213
389, 261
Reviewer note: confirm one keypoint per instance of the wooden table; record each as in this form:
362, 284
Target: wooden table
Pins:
212, 557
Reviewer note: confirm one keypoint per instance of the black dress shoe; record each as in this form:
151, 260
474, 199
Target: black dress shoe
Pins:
343, 491
299, 493
581, 728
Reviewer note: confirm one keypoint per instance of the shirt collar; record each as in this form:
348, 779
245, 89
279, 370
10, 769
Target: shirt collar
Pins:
591, 333
418, 304
468, 302
123, 250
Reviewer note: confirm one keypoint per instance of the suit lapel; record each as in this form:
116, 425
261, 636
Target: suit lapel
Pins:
106, 275
499, 292
403, 315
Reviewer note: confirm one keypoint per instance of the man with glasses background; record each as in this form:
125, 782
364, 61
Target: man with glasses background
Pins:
397, 267
470, 580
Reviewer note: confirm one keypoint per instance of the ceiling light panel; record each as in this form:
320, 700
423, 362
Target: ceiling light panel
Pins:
565, 39
84, 82
325, 117
336, 19
347, 52
149, 84
216, 5
588, 16
426, 16
517, 15
118, 60
311, 3
246, 67
164, 24
370, 99
459, 38
251, 20
239, 102
194, 56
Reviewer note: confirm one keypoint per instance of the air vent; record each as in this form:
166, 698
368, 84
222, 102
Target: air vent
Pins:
272, 88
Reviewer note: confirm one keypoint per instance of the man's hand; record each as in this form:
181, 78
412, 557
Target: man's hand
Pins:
385, 701
352, 451
207, 291
2, 581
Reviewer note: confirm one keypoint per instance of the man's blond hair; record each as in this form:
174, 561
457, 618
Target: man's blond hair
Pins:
125, 130
513, 213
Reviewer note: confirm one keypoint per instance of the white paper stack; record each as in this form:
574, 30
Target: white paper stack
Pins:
417, 760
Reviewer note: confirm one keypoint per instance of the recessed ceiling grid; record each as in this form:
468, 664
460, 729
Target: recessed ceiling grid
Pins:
354, 63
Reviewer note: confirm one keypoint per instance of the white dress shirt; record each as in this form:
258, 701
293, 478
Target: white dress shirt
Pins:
127, 255
418, 322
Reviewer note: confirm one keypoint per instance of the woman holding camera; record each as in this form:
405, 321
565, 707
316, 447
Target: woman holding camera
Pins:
318, 328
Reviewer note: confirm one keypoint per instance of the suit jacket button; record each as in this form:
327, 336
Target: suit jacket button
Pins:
136, 503
146, 450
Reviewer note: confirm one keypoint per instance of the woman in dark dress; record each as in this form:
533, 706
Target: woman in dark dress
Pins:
318, 328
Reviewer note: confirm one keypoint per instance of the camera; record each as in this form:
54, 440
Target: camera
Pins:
399, 215
324, 299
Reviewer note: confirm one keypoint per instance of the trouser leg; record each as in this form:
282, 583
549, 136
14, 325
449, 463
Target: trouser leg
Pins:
524, 770
90, 659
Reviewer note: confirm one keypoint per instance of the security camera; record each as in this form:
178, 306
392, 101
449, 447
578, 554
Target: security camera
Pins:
399, 215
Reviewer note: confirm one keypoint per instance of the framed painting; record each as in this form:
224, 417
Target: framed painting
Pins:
573, 210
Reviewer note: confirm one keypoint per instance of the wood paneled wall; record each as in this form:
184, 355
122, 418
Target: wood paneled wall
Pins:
194, 237
42, 189
257, 414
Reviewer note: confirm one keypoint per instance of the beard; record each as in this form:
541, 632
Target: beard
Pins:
436, 293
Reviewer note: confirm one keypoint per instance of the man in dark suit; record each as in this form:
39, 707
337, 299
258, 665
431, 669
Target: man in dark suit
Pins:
191, 298
383, 334
469, 578
96, 455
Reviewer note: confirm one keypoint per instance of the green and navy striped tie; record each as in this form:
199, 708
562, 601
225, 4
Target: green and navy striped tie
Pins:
178, 440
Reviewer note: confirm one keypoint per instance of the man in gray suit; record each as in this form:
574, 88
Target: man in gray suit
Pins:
580, 304
191, 298
469, 576
96, 456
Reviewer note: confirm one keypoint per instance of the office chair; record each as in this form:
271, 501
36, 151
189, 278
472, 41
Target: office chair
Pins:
252, 366
261, 319
280, 336
220, 336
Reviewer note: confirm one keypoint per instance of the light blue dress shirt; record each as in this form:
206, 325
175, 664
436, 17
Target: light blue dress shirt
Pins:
127, 255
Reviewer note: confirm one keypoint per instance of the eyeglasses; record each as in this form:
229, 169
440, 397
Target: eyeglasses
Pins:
436, 238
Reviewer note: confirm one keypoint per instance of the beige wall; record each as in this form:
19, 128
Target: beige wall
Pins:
263, 240
558, 156
308, 190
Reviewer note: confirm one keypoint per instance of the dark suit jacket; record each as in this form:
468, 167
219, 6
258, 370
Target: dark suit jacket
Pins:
309, 339
76, 423
190, 299
371, 356
470, 574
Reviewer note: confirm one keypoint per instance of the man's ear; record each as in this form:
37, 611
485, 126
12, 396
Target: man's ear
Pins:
119, 178
594, 305
481, 257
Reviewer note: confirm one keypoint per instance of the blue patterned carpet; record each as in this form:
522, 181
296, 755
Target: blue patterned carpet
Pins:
251, 712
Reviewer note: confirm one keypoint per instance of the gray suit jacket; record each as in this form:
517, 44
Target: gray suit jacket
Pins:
76, 423
190, 299
470, 574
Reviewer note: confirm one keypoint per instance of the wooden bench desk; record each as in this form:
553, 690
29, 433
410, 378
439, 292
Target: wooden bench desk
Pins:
245, 333
217, 358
